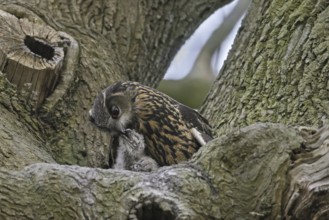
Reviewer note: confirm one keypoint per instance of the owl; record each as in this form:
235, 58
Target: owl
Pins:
172, 132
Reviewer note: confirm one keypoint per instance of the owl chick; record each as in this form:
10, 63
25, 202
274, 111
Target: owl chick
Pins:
172, 131
130, 153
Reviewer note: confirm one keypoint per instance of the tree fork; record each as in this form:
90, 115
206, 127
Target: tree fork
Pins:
245, 174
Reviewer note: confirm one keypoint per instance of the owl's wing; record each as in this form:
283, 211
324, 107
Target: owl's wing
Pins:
201, 129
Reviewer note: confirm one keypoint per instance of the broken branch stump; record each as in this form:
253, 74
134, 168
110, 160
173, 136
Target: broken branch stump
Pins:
30, 56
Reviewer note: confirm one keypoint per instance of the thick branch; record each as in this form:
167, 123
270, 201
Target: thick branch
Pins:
245, 166
202, 65
245, 173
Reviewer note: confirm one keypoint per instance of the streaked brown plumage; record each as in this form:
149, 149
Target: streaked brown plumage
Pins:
171, 130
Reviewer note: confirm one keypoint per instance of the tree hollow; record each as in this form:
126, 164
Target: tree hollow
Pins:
30, 56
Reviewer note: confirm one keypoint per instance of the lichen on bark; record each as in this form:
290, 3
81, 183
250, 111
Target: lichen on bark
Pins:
276, 71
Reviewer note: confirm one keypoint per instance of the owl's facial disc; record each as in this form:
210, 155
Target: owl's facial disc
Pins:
111, 112
119, 108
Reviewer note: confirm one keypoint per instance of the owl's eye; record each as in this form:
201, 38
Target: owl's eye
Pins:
115, 111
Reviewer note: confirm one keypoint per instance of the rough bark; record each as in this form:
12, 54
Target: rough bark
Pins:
21, 134
306, 196
277, 70
263, 171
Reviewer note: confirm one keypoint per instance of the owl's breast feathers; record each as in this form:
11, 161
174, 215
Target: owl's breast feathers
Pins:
168, 126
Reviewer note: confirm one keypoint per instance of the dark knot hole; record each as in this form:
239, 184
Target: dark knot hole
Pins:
39, 47
151, 211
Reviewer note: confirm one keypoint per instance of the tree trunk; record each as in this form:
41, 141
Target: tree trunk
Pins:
276, 72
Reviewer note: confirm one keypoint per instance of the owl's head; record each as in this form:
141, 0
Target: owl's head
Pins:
112, 110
